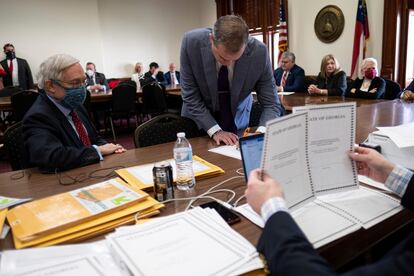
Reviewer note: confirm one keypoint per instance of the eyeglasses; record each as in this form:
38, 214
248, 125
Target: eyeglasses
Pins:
72, 84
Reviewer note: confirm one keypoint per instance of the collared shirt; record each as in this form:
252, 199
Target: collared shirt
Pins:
173, 76
66, 112
15, 75
397, 182
365, 85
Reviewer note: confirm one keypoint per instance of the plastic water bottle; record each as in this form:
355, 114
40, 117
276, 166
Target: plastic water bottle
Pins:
183, 156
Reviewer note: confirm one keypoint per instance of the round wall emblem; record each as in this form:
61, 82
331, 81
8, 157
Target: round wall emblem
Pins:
329, 24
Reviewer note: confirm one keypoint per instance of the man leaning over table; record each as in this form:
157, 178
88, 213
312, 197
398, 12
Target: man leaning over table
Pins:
285, 247
57, 132
219, 70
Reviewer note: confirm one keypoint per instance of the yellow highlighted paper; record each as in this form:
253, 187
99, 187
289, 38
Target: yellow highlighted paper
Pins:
141, 176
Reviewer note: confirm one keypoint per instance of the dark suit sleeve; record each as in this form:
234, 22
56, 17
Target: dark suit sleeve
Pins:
378, 83
286, 249
410, 87
28, 75
338, 85
167, 78
298, 83
41, 140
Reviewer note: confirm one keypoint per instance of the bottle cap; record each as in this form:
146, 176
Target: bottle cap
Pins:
181, 134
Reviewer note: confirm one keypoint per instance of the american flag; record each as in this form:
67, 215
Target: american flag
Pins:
283, 31
361, 36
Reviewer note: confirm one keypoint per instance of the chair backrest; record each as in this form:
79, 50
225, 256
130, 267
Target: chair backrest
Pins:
128, 82
153, 99
22, 101
309, 80
163, 129
9, 91
392, 90
14, 145
124, 99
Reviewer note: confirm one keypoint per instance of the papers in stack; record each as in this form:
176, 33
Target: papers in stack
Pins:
10, 201
141, 176
230, 151
91, 259
401, 135
79, 214
307, 153
197, 242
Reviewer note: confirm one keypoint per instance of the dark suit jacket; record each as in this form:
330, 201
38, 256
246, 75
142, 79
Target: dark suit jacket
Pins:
167, 77
149, 79
377, 82
336, 84
24, 74
409, 87
288, 252
99, 79
295, 81
51, 142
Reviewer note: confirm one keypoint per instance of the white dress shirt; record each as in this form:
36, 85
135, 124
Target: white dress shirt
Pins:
15, 75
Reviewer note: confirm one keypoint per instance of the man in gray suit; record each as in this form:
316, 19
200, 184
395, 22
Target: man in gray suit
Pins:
219, 70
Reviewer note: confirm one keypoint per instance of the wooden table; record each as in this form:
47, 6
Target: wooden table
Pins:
5, 102
337, 253
300, 99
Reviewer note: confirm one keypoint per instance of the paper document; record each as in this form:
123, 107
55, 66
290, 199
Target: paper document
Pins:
285, 93
175, 242
6, 202
401, 135
373, 183
230, 151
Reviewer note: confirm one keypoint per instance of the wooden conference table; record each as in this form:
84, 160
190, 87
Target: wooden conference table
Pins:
5, 102
338, 253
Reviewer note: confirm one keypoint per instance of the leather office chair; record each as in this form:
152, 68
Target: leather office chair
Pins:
392, 90
123, 105
21, 103
14, 145
163, 129
153, 100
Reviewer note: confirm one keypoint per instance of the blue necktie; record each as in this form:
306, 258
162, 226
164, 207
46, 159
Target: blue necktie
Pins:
225, 116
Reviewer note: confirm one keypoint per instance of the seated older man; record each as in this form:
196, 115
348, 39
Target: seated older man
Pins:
58, 134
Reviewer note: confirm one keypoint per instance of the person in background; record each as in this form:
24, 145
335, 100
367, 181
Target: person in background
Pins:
331, 79
95, 81
153, 75
289, 76
287, 250
17, 70
219, 70
57, 132
2, 75
138, 75
370, 86
172, 77
408, 93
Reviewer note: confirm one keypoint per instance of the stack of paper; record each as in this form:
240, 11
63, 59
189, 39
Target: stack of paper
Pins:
79, 214
197, 242
401, 135
141, 176
83, 259
319, 179
230, 151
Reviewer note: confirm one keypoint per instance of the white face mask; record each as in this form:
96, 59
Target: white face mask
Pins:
90, 72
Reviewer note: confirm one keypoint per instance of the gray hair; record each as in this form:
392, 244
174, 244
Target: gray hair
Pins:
138, 63
52, 68
365, 62
289, 55
231, 31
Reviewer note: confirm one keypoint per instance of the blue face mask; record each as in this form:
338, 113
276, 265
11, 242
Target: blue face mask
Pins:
74, 97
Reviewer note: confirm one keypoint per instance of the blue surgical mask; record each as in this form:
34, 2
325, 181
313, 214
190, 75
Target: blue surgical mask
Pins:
74, 97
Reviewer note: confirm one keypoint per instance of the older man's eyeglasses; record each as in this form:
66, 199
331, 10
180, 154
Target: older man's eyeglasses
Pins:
71, 84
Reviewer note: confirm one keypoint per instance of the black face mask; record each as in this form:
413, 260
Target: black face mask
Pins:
11, 55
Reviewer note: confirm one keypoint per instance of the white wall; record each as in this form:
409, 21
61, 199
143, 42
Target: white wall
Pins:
113, 34
309, 50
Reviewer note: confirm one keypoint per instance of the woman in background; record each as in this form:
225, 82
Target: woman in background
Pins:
331, 79
370, 86
138, 75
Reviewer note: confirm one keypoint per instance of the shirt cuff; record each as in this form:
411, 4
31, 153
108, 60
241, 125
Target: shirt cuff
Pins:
261, 129
98, 151
398, 180
273, 205
213, 130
